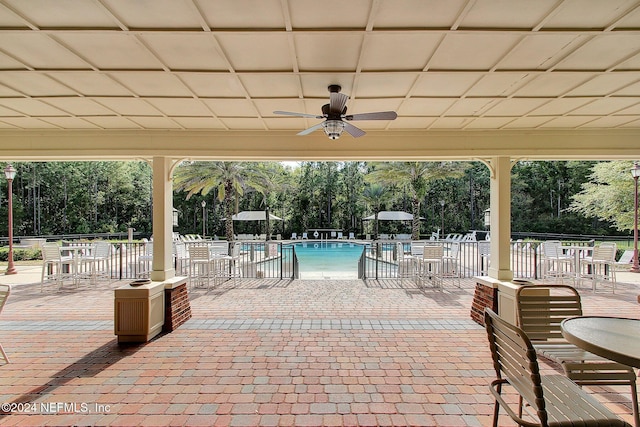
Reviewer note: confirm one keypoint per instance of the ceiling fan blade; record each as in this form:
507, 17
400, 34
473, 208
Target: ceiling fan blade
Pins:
355, 132
380, 115
289, 113
337, 102
311, 129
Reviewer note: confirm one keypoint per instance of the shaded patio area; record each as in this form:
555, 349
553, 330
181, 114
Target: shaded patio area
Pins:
263, 352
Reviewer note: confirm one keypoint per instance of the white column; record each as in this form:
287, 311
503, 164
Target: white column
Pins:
162, 267
500, 206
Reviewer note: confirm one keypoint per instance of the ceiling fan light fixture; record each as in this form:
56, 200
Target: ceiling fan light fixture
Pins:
333, 128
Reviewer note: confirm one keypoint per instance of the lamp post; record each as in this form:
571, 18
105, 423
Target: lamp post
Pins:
204, 219
10, 174
635, 173
442, 217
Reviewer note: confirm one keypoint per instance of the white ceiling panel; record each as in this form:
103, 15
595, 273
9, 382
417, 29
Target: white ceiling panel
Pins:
471, 106
31, 107
63, 13
90, 84
154, 13
425, 106
271, 85
155, 122
222, 85
78, 106
469, 51
515, 106
602, 53
540, 51
242, 13
329, 13
328, 51
257, 52
129, 106
180, 106
33, 84
507, 13
152, 83
231, 107
605, 106
199, 122
587, 13
552, 84
111, 51
604, 84
445, 84
112, 122
243, 123
187, 51
70, 123
405, 51
417, 13
39, 51
228, 64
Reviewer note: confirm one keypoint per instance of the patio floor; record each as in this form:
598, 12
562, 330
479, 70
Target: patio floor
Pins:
303, 353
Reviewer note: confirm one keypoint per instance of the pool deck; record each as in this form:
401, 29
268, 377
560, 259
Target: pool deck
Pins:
264, 352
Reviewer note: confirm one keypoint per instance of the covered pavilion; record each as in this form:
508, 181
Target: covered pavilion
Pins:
471, 80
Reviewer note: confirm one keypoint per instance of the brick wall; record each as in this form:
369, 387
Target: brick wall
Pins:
177, 307
484, 296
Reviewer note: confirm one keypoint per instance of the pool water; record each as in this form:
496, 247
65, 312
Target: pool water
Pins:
328, 259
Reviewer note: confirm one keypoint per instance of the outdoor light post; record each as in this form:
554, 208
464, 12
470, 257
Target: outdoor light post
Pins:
442, 217
204, 219
10, 174
635, 172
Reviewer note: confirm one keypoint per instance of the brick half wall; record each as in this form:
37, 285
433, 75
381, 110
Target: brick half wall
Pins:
177, 307
484, 296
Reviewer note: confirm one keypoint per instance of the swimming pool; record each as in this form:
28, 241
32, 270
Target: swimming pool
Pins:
328, 259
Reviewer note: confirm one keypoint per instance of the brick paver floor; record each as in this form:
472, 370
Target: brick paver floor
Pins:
298, 353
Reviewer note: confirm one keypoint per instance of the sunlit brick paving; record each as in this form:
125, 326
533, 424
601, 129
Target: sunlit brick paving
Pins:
324, 352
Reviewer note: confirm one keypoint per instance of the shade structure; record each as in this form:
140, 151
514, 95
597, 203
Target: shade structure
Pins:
254, 216
391, 216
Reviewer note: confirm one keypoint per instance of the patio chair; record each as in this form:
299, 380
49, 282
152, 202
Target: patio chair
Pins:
294, 236
5, 291
145, 260
556, 265
407, 266
600, 266
98, 262
551, 400
181, 255
340, 235
484, 257
352, 236
55, 266
201, 267
305, 236
430, 265
451, 264
540, 310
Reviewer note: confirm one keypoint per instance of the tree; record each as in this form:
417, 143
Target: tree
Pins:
417, 176
375, 196
229, 178
609, 195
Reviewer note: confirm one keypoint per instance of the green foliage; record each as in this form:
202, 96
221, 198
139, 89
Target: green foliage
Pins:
608, 195
20, 254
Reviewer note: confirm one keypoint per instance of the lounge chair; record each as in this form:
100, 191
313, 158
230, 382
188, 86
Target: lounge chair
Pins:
305, 236
340, 236
352, 236
294, 236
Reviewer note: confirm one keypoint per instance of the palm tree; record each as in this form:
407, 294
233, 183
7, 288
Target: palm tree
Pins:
375, 195
230, 178
417, 177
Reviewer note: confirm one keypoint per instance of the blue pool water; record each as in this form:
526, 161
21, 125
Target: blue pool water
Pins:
328, 259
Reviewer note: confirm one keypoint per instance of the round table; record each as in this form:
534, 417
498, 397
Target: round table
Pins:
613, 338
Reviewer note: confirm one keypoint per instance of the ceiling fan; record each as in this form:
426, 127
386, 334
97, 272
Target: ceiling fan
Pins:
335, 113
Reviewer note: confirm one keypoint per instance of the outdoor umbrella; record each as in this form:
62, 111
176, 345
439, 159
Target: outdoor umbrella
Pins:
391, 216
254, 216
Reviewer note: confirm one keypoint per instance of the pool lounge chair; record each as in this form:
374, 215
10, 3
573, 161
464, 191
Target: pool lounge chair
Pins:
352, 236
294, 236
305, 236
340, 236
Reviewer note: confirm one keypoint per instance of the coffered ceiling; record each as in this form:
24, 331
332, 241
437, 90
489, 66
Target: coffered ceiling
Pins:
226, 65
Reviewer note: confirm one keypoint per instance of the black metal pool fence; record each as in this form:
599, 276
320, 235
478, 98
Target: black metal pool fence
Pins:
278, 260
